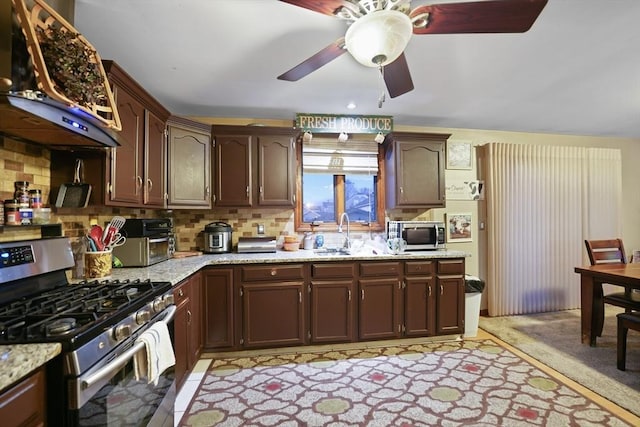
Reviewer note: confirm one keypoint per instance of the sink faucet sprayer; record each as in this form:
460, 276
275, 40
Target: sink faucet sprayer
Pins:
347, 243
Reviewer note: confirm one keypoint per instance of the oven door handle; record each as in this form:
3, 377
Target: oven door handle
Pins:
116, 364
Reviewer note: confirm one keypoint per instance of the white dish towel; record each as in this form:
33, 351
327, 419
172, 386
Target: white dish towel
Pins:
156, 355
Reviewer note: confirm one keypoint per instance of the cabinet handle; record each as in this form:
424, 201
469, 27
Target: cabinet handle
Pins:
274, 272
401, 190
429, 290
139, 181
180, 293
207, 191
149, 184
441, 289
188, 317
348, 294
300, 297
247, 191
261, 189
362, 294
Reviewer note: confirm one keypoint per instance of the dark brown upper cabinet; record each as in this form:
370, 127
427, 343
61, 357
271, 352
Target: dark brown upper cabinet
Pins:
136, 171
414, 164
189, 164
254, 166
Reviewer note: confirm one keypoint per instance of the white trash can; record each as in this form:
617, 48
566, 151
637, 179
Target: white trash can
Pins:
471, 313
473, 296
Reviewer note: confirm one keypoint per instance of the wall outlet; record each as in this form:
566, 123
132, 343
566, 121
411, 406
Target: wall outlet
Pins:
260, 228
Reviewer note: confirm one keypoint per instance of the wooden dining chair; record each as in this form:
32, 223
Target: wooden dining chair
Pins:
626, 321
611, 251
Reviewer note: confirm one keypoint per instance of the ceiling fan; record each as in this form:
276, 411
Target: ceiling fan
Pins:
379, 30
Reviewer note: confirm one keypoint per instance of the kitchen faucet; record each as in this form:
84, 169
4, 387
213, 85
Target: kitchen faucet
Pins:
347, 242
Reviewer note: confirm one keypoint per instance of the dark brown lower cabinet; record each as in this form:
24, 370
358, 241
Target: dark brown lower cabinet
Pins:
450, 297
333, 302
332, 311
419, 299
218, 308
378, 311
273, 314
289, 304
187, 325
24, 404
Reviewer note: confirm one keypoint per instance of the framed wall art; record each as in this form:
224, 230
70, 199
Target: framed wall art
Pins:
459, 155
459, 227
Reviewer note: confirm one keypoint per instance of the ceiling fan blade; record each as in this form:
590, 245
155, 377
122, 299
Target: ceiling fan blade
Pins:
316, 61
496, 16
327, 7
397, 77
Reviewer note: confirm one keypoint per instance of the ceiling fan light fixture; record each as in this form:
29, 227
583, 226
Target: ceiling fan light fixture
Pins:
379, 38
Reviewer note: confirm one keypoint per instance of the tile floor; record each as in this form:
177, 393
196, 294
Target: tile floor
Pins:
189, 388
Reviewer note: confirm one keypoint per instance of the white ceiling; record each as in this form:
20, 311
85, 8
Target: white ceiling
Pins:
577, 71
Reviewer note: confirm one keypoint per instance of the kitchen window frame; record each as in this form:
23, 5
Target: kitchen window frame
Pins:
339, 194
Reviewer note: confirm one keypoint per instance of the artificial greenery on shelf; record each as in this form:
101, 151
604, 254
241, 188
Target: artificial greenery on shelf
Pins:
71, 67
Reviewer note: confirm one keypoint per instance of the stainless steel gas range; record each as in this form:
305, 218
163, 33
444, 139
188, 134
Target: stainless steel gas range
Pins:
98, 323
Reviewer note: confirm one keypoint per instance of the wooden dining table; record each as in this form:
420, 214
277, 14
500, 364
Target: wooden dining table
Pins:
591, 303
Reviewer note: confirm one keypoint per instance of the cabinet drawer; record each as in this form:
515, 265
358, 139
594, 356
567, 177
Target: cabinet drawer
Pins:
333, 270
451, 266
272, 272
379, 269
418, 267
181, 293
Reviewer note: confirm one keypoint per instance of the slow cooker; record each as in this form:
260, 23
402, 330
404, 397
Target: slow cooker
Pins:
217, 238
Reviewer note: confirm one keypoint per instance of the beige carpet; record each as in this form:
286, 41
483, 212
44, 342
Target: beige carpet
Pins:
455, 383
554, 339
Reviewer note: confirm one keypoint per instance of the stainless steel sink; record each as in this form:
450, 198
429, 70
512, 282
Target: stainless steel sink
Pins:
332, 251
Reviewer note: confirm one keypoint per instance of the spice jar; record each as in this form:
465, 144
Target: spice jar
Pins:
12, 212
21, 193
35, 199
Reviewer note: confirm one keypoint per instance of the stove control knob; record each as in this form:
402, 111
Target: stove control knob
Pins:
142, 317
169, 300
122, 332
158, 305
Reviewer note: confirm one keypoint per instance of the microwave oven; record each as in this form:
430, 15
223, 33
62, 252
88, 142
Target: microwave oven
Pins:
418, 235
143, 251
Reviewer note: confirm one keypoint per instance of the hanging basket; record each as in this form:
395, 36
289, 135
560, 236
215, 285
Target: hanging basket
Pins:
67, 67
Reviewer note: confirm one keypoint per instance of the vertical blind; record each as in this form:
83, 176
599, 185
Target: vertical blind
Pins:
542, 203
330, 156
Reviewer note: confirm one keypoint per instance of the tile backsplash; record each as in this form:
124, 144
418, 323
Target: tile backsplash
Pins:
31, 163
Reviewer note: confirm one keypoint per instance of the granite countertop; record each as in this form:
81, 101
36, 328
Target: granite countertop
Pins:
177, 269
17, 361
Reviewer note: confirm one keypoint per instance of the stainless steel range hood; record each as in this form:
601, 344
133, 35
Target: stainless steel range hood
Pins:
29, 115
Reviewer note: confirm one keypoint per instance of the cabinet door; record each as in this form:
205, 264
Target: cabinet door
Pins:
273, 314
233, 171
378, 309
218, 308
332, 311
419, 306
194, 319
450, 305
24, 404
155, 162
276, 170
126, 160
421, 169
189, 167
181, 333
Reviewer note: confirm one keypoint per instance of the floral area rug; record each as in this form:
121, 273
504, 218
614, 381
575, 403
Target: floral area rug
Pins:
460, 383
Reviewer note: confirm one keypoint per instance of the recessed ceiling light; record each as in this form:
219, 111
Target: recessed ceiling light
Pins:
351, 106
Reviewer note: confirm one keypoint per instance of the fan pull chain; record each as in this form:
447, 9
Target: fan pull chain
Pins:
382, 97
